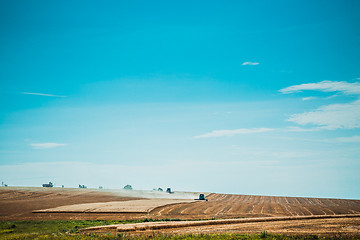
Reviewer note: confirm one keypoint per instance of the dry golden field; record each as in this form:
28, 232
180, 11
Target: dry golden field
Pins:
330, 225
18, 203
21, 203
232, 206
240, 213
141, 206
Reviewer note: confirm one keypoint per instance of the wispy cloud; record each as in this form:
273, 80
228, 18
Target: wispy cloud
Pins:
43, 94
229, 133
308, 98
250, 63
325, 86
298, 129
46, 145
333, 96
353, 139
333, 116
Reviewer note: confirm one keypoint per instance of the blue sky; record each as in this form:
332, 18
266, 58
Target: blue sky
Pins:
222, 96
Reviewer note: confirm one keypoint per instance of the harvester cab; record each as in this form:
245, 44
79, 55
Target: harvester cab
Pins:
201, 197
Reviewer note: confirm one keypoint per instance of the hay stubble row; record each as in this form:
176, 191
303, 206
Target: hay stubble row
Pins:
19, 204
231, 206
215, 225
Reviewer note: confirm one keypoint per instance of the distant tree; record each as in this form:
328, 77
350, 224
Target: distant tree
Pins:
82, 186
128, 187
160, 189
100, 187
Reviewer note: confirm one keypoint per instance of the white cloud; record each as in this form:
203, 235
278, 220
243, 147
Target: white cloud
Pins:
43, 94
298, 129
46, 145
332, 96
229, 133
353, 139
308, 98
325, 86
333, 116
250, 63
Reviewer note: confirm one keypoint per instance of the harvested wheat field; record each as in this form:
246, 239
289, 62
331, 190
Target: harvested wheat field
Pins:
31, 203
232, 206
235, 213
18, 203
82, 204
322, 225
143, 206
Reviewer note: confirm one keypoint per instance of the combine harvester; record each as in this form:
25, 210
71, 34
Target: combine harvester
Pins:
201, 197
50, 184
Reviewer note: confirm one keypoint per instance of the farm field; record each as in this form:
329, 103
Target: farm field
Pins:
20, 203
233, 206
342, 228
348, 226
240, 213
143, 206
73, 230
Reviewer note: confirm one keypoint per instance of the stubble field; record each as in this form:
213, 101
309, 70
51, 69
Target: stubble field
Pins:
233, 206
26, 204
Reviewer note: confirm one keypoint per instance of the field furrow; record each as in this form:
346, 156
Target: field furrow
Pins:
18, 204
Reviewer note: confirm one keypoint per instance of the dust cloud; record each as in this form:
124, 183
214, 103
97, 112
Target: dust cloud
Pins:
153, 194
